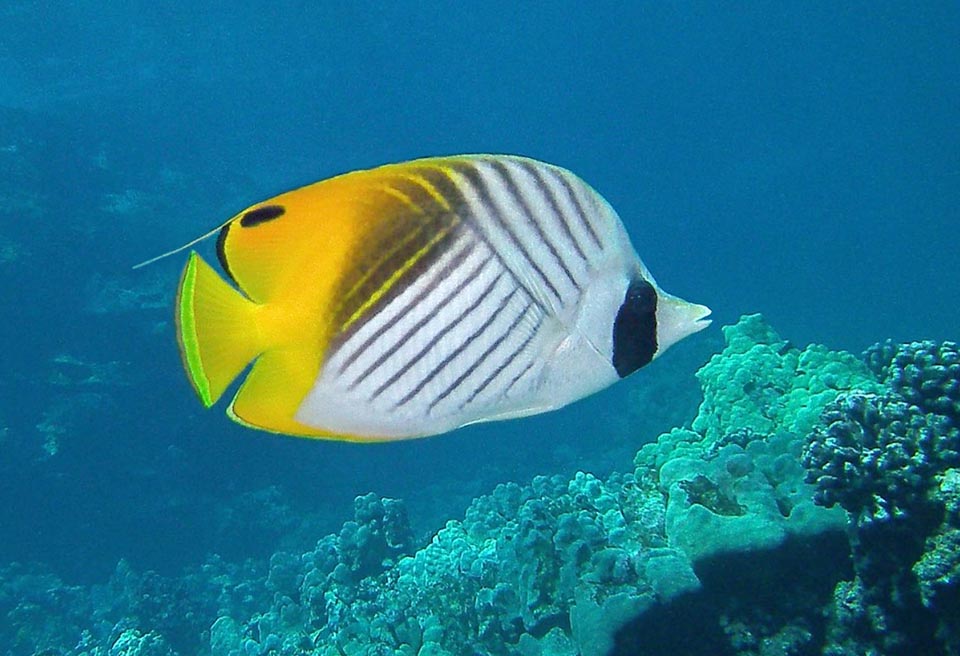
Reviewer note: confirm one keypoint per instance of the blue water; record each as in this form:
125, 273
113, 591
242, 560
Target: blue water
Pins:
801, 160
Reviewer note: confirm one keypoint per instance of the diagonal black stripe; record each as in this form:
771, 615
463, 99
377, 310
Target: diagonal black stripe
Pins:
455, 261
419, 195
506, 175
476, 180
409, 276
483, 356
450, 189
410, 228
547, 190
507, 361
581, 213
380, 270
457, 351
446, 329
388, 353
514, 380
443, 185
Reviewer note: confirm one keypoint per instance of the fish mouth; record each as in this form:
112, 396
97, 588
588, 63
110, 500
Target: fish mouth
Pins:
677, 318
697, 315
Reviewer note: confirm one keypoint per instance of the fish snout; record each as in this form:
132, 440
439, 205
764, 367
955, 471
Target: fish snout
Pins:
676, 319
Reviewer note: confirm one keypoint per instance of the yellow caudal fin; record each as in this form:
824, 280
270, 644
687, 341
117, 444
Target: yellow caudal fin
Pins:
216, 328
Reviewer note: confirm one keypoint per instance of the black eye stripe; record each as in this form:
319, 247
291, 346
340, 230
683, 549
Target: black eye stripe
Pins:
261, 215
635, 328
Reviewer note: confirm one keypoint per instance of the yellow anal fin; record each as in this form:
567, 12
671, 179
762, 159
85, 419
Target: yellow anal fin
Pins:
270, 395
216, 327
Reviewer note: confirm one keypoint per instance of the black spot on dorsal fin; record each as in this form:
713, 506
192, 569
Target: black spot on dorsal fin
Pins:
261, 215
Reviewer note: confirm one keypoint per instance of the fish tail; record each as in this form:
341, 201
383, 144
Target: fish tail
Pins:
216, 327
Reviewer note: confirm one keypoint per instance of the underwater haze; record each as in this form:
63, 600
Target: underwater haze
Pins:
785, 482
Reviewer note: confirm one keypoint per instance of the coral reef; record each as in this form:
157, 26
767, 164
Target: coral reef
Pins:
889, 459
812, 507
133, 614
762, 383
925, 374
558, 563
877, 456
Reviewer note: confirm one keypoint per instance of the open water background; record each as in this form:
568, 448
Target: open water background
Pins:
796, 159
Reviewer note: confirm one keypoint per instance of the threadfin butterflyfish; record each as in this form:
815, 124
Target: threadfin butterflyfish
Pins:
415, 298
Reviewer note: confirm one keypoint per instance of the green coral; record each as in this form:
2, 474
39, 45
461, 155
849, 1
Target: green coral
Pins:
761, 382
750, 498
553, 565
136, 643
734, 482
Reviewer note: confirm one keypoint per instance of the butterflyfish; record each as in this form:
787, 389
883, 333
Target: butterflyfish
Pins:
415, 298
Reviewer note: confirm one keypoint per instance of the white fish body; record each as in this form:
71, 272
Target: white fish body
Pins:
515, 318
